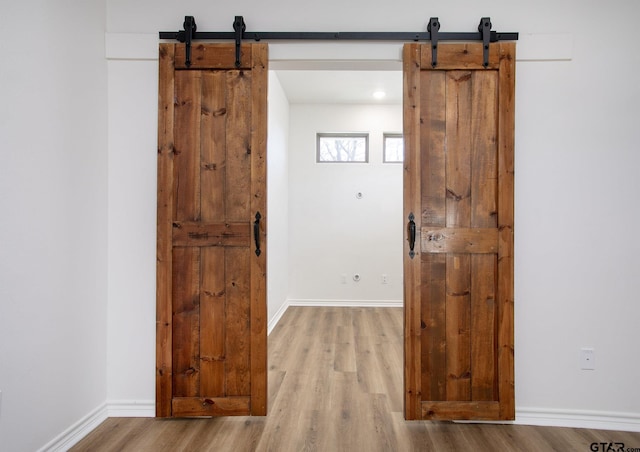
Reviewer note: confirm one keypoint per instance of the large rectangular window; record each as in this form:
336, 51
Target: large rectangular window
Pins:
393, 148
342, 148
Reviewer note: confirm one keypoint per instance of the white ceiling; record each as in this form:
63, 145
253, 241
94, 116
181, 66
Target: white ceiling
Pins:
341, 86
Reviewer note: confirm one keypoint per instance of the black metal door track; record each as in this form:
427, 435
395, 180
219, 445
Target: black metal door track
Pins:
432, 35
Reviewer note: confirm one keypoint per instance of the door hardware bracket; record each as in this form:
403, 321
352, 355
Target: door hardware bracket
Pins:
238, 28
432, 28
190, 28
485, 30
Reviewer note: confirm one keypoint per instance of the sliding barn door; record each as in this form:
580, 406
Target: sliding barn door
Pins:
211, 260
458, 206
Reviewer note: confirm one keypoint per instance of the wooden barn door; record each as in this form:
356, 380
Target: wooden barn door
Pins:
458, 204
211, 258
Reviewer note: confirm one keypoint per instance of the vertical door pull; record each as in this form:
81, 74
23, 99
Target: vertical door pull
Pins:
256, 233
411, 232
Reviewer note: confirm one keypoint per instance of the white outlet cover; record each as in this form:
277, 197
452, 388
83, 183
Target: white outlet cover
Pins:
587, 359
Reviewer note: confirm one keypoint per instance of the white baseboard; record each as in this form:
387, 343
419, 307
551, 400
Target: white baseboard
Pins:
600, 420
111, 408
71, 436
277, 316
131, 408
347, 303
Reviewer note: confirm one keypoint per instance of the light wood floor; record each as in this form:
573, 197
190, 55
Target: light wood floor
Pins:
335, 384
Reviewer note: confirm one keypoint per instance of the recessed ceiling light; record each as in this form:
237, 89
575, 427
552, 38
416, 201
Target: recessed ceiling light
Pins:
379, 94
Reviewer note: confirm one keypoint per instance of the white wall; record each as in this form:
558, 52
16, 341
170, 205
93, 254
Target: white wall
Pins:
576, 209
332, 232
277, 201
53, 226
132, 95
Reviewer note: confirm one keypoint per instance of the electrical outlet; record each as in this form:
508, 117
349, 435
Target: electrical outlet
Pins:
384, 279
587, 359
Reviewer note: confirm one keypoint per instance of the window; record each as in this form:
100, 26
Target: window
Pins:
342, 147
393, 148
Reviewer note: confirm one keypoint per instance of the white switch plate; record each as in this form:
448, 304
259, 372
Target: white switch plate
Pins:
587, 359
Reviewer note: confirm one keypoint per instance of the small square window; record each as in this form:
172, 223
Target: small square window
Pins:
342, 148
393, 148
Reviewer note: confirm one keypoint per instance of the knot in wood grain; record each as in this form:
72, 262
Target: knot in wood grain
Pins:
453, 195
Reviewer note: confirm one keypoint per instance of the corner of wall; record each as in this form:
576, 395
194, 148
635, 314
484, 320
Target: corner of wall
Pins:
72, 435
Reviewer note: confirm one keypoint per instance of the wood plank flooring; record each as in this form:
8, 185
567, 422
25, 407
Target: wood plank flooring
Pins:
335, 384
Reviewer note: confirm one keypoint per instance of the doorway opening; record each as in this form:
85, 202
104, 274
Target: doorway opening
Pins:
335, 232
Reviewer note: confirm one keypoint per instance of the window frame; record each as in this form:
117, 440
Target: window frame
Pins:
365, 135
386, 135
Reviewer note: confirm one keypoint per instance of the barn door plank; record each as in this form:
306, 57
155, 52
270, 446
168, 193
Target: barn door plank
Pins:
434, 340
484, 188
458, 215
186, 322
259, 69
164, 245
505, 290
413, 374
187, 146
433, 214
238, 325
213, 145
238, 161
212, 322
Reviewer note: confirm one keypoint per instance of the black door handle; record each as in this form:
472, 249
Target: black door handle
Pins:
411, 232
256, 233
